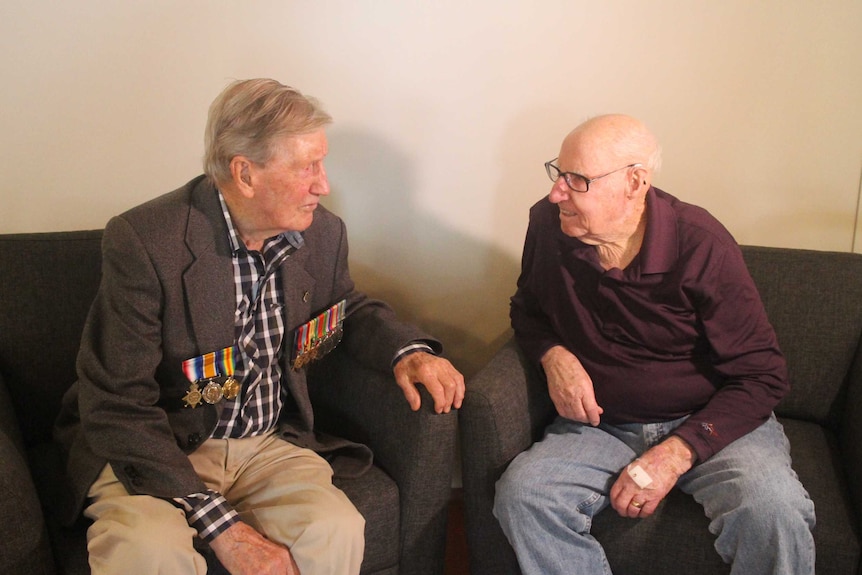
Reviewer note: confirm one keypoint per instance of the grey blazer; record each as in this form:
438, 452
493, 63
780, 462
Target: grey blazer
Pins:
167, 294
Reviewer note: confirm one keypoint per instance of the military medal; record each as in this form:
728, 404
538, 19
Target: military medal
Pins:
203, 370
192, 397
230, 389
316, 338
212, 392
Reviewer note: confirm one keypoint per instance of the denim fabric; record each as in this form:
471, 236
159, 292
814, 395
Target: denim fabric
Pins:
761, 515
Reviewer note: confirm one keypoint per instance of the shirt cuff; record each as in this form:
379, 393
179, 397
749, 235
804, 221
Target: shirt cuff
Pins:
412, 347
208, 513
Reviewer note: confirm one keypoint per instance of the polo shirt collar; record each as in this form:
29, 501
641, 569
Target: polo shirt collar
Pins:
660, 249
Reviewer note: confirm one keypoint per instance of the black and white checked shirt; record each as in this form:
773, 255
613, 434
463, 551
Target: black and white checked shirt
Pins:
259, 329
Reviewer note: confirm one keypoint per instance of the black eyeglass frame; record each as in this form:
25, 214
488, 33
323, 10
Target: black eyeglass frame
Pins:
551, 169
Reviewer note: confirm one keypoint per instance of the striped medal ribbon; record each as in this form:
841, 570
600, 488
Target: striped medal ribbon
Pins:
316, 338
203, 370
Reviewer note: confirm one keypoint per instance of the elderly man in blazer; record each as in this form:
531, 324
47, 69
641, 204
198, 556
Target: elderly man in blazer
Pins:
189, 380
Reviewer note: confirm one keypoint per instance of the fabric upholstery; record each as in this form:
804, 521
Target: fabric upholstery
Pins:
25, 547
51, 279
814, 301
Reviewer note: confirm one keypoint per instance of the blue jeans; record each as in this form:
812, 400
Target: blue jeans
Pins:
760, 513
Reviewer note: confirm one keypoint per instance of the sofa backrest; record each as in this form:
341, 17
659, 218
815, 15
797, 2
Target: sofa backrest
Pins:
814, 301
47, 285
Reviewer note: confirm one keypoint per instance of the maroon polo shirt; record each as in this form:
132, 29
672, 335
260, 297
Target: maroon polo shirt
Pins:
681, 331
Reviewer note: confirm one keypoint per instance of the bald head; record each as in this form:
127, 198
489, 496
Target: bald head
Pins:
612, 140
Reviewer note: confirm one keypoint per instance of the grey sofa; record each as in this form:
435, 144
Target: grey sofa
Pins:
48, 281
814, 300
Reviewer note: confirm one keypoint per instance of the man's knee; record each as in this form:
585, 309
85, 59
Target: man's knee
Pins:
342, 523
514, 494
776, 511
152, 543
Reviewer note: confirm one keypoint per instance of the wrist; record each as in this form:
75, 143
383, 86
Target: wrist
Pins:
678, 453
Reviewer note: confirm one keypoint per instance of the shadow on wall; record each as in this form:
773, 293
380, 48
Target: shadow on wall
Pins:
453, 286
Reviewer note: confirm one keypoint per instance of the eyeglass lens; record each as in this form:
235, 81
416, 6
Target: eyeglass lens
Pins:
576, 182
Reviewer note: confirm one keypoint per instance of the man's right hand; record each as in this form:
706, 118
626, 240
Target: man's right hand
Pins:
244, 551
570, 386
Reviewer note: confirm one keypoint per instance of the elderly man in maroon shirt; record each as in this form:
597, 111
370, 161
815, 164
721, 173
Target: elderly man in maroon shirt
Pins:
661, 363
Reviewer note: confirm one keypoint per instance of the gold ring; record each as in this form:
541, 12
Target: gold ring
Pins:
636, 505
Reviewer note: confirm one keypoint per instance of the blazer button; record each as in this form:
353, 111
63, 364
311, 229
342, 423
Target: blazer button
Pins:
194, 439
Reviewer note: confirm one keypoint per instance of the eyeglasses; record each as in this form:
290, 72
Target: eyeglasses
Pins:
575, 181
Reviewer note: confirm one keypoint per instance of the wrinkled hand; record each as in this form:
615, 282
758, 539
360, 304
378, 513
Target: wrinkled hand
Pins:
440, 378
244, 551
570, 386
664, 464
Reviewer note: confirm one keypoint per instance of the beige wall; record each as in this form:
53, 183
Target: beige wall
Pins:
445, 112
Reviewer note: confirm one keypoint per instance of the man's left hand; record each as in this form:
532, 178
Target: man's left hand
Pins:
440, 378
663, 465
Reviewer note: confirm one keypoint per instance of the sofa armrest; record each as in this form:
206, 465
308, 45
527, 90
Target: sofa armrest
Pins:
24, 545
8, 421
850, 436
505, 410
416, 449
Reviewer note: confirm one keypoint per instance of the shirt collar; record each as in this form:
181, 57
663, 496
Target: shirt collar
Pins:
660, 248
236, 244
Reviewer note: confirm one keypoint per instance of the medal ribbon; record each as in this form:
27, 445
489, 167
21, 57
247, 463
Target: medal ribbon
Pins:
211, 364
319, 328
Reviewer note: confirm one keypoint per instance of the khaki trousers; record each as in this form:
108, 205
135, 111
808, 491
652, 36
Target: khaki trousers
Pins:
283, 491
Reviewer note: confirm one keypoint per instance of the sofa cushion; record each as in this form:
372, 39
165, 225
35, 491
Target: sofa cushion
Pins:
819, 464
50, 280
813, 303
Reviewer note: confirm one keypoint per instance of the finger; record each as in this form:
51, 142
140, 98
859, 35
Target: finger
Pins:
411, 394
457, 388
438, 394
635, 507
460, 391
447, 388
442, 395
443, 382
592, 411
649, 508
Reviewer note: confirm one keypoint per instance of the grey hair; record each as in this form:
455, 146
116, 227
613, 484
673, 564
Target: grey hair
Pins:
249, 117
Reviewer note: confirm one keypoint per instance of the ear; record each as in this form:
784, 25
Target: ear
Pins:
640, 181
241, 175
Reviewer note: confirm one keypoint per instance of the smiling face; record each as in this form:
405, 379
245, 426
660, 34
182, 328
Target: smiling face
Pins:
281, 194
611, 210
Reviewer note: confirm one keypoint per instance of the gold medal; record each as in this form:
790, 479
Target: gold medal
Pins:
192, 397
212, 392
230, 389
299, 362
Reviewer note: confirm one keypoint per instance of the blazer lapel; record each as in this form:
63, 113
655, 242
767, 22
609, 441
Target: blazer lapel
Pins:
297, 286
208, 281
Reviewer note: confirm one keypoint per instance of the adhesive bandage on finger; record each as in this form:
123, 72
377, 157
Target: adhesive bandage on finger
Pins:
639, 475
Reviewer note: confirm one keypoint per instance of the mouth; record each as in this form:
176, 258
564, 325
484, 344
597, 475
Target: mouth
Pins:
566, 213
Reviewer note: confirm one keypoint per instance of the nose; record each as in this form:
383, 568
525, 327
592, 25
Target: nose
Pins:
559, 191
321, 186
